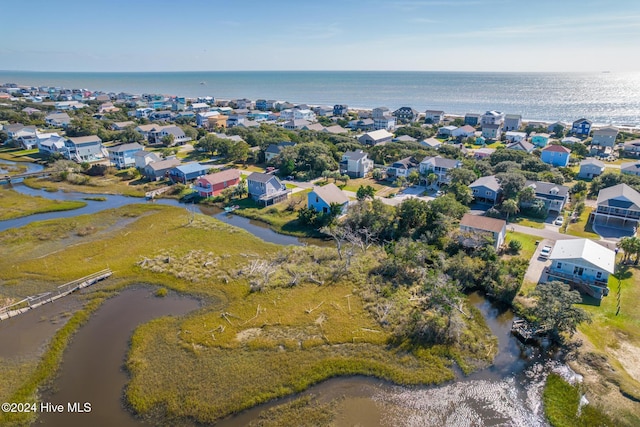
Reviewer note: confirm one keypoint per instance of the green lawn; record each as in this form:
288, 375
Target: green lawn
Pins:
529, 222
581, 228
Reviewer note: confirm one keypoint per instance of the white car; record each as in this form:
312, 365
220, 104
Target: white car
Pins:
545, 252
559, 221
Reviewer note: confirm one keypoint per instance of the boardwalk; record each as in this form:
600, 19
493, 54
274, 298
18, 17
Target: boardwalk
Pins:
9, 178
36, 301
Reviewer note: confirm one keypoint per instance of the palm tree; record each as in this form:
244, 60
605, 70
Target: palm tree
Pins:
509, 207
432, 178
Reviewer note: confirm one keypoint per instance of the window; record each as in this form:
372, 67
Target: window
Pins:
577, 271
599, 275
559, 266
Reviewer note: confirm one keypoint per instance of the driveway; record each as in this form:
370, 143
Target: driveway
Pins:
537, 265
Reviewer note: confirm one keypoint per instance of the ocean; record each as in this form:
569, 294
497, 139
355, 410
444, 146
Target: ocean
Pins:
604, 98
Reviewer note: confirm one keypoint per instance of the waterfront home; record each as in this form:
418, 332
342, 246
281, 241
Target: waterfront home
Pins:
556, 127
242, 103
158, 170
84, 149
465, 131
581, 127
540, 139
406, 114
514, 136
583, 264
356, 164
123, 156
380, 112
188, 172
402, 168
590, 168
18, 130
630, 168
51, 145
266, 189
525, 146
446, 131
340, 109
555, 155
274, 149
143, 158
213, 184
554, 196
486, 189
375, 137
433, 116
57, 119
120, 126
512, 122
492, 118
483, 153
439, 166
495, 228
320, 198
472, 119
604, 137
491, 131
617, 206
323, 111
631, 148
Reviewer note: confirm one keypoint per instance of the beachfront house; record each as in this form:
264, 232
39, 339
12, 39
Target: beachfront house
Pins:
188, 172
406, 114
123, 156
583, 264
433, 116
84, 149
486, 189
213, 184
320, 198
340, 109
554, 196
590, 168
375, 137
439, 166
512, 122
356, 164
604, 137
492, 118
617, 207
631, 148
51, 145
266, 189
494, 228
385, 122
555, 155
472, 119
581, 127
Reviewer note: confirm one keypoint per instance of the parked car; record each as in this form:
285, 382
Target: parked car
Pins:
559, 221
545, 252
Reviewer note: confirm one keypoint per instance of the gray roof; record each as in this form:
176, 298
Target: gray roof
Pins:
260, 177
591, 161
619, 196
489, 182
403, 138
441, 162
277, 148
587, 250
521, 145
631, 167
355, 155
164, 164
85, 139
548, 188
406, 163
126, 147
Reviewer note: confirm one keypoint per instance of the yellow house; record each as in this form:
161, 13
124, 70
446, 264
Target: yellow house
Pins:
219, 121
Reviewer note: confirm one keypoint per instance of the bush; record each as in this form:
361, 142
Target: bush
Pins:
515, 246
97, 170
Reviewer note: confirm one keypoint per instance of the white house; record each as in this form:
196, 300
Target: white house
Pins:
439, 166
356, 164
493, 227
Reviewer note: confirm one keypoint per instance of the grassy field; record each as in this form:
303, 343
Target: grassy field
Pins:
241, 348
382, 188
581, 228
529, 222
16, 205
20, 155
109, 184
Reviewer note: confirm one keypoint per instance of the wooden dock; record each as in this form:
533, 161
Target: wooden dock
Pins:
36, 301
525, 331
7, 179
154, 193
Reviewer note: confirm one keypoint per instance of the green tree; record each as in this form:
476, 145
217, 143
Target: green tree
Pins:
167, 140
365, 192
414, 177
509, 207
129, 134
432, 178
462, 176
511, 183
526, 195
554, 309
239, 152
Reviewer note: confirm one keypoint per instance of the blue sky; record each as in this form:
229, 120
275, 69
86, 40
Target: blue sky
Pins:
190, 35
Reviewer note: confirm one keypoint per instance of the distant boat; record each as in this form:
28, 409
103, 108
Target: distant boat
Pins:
203, 83
231, 208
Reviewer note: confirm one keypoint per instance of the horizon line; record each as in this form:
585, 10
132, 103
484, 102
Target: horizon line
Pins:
312, 71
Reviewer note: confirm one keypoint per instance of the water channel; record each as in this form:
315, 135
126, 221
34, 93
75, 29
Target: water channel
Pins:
507, 393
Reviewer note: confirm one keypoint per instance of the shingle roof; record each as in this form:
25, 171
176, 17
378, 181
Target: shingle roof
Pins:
85, 139
585, 249
260, 177
489, 182
484, 223
222, 176
330, 193
126, 147
355, 155
441, 162
556, 149
548, 188
377, 135
191, 167
612, 196
164, 164
521, 145
592, 161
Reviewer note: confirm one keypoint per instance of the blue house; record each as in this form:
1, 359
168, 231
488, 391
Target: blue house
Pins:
555, 155
188, 172
266, 189
123, 156
321, 198
581, 127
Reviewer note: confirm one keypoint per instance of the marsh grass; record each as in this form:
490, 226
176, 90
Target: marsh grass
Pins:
108, 184
16, 205
305, 411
